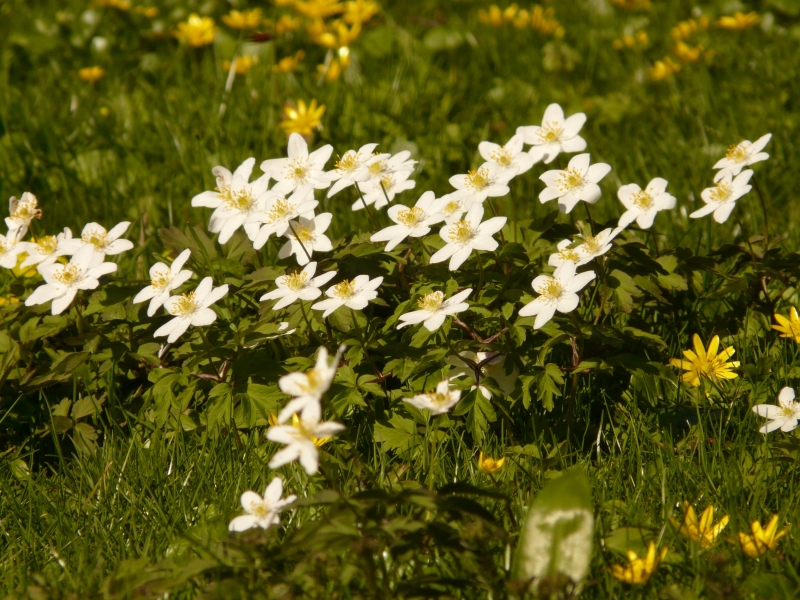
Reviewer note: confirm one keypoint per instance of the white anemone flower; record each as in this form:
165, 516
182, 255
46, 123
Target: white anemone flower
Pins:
644, 204
784, 416
510, 158
555, 135
10, 248
488, 180
48, 248
62, 282
575, 183
307, 236
353, 293
399, 163
565, 253
439, 401
164, 279
301, 439
409, 222
105, 243
557, 292
491, 365
721, 199
377, 192
597, 245
278, 210
300, 169
192, 308
308, 388
298, 286
353, 167
451, 207
235, 200
434, 309
21, 212
462, 237
262, 512
742, 155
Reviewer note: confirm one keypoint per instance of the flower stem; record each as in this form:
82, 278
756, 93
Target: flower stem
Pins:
764, 210
385, 194
375, 368
480, 276
208, 351
589, 215
364, 202
308, 323
655, 242
299, 241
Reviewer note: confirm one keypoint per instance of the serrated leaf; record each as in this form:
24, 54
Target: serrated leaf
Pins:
399, 434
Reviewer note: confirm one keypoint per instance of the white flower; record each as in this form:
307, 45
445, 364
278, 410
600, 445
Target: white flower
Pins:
410, 222
278, 210
301, 439
577, 182
509, 158
434, 309
300, 169
105, 243
354, 293
491, 365
191, 308
353, 167
721, 200
163, 280
64, 281
555, 135
22, 212
307, 388
10, 248
46, 249
438, 402
310, 237
594, 246
400, 162
742, 155
462, 237
557, 293
262, 512
564, 254
487, 180
298, 286
376, 191
643, 205
784, 416
451, 207
235, 200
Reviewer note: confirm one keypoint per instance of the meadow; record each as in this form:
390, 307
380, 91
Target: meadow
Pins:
572, 405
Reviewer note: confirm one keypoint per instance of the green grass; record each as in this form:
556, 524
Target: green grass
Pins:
147, 511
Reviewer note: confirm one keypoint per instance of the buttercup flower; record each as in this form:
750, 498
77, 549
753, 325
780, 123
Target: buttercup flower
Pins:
491, 365
703, 531
462, 237
565, 253
91, 74
594, 246
438, 402
410, 222
353, 167
739, 21
244, 63
262, 512
721, 200
708, 364
557, 292
298, 286
104, 243
163, 280
490, 465
301, 169
555, 135
577, 182
639, 570
644, 204
289, 64
62, 282
46, 249
277, 211
509, 158
234, 201
306, 236
301, 119
302, 439
190, 309
486, 181
742, 155
789, 328
196, 31
21, 213
376, 192
246, 19
763, 539
354, 293
784, 416
307, 388
434, 309
10, 249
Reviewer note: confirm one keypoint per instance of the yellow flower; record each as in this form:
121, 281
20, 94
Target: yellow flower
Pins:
739, 21
359, 11
151, 12
287, 24
688, 54
642, 37
490, 465
543, 21
244, 63
289, 64
118, 4
245, 19
318, 9
335, 36
334, 69
92, 74
29, 271
789, 328
196, 31
302, 119
762, 540
708, 364
10, 299
272, 420
702, 531
638, 570
494, 16
663, 69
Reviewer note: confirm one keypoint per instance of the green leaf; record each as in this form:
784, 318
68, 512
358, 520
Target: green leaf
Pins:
623, 539
400, 434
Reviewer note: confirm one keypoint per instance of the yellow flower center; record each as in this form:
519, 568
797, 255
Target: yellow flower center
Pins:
570, 179
25, 212
737, 152
344, 289
642, 199
461, 232
98, 239
295, 281
552, 290
298, 424
68, 275
450, 208
377, 168
47, 245
569, 254
281, 209
241, 200
437, 398
411, 217
788, 411
304, 234
431, 302
502, 156
297, 170
259, 509
161, 280
550, 132
185, 305
592, 244
349, 162
478, 179
721, 192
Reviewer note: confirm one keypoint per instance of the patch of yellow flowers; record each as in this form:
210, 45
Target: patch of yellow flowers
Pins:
196, 31
538, 18
709, 364
640, 38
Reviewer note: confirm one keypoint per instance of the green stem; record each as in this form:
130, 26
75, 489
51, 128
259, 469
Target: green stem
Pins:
385, 195
208, 352
480, 276
764, 210
589, 215
369, 212
655, 242
299, 241
308, 323
372, 364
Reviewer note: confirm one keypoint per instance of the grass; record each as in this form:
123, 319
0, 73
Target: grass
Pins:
426, 76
